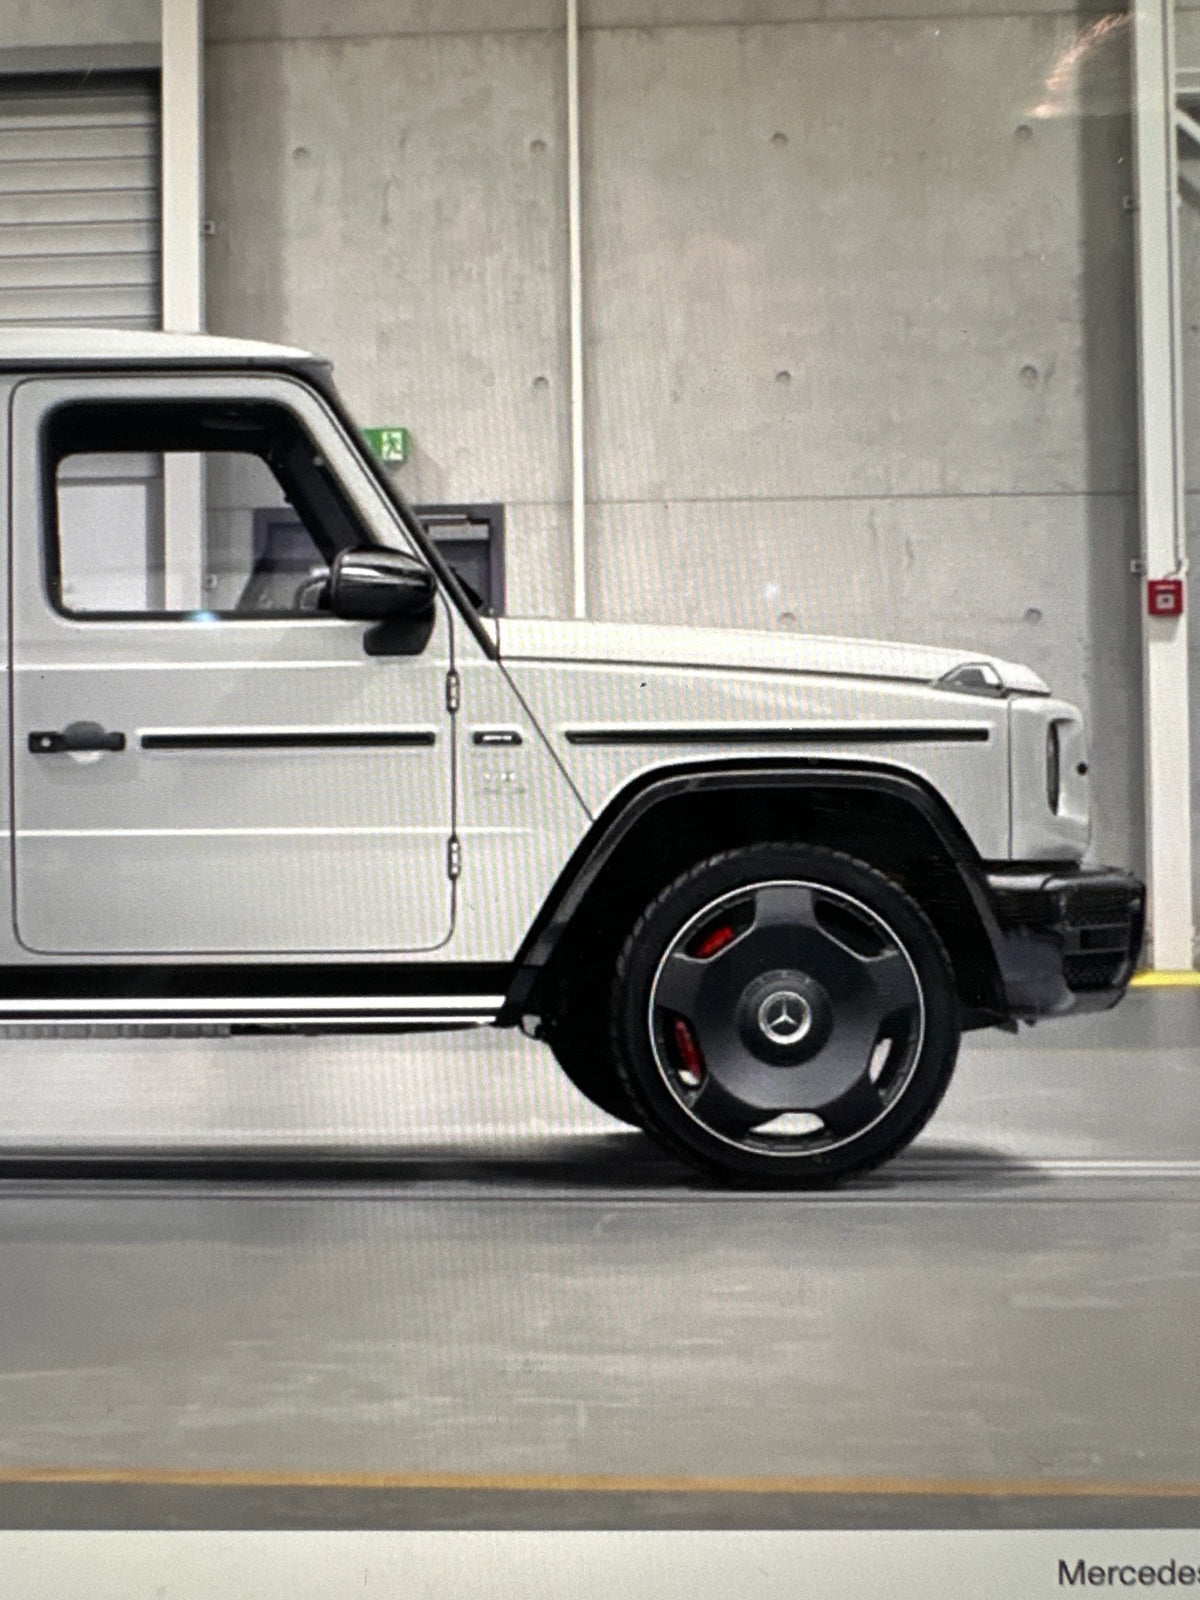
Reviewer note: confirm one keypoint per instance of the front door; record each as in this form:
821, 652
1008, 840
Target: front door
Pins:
204, 762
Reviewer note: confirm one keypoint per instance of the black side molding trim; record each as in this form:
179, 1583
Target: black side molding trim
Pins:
397, 738
918, 733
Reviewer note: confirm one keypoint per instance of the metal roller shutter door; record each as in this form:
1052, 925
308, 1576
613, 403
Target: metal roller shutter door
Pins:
79, 205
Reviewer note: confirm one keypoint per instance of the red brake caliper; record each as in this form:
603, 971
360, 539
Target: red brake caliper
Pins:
712, 942
691, 1062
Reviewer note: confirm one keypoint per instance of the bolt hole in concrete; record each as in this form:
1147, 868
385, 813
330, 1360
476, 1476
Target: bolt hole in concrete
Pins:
1029, 376
783, 376
1023, 132
538, 146
301, 154
1031, 614
779, 140
541, 382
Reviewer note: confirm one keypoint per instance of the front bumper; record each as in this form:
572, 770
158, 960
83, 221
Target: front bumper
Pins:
1066, 940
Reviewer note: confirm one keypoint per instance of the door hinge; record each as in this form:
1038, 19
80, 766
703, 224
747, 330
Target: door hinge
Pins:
453, 691
454, 858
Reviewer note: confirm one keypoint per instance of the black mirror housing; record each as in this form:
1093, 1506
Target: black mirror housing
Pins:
371, 583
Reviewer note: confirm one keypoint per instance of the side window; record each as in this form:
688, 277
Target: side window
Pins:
189, 510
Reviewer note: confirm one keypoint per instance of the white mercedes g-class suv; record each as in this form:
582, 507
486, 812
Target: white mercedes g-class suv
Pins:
271, 767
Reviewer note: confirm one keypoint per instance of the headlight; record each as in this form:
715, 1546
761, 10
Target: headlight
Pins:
1053, 766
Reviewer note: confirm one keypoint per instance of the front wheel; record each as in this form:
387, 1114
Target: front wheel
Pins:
784, 1015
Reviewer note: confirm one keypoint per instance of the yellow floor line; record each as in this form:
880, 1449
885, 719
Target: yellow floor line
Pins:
600, 1483
1166, 980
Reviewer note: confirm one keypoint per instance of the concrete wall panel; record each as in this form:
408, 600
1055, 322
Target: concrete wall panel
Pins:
847, 260
403, 215
1188, 56
538, 578
298, 19
32, 24
759, 13
317, 19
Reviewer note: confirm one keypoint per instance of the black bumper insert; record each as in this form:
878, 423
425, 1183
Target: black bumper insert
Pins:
1069, 939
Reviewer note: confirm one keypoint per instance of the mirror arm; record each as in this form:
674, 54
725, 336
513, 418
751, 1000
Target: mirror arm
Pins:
400, 636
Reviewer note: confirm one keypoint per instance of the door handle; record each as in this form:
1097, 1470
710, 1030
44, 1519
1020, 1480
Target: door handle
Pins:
78, 736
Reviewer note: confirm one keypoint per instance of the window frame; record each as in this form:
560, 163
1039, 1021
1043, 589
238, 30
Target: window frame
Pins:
50, 458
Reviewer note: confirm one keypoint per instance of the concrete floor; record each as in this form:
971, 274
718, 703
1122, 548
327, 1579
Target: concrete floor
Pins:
306, 1261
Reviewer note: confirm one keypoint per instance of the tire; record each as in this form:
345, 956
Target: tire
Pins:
579, 1042
783, 1016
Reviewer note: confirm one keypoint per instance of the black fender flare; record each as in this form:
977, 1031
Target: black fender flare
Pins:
634, 802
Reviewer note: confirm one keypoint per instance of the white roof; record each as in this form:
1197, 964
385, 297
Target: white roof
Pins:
128, 344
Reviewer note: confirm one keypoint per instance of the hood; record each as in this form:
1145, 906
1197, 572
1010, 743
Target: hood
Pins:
620, 643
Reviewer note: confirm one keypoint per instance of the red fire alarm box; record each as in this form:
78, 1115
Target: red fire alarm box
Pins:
1164, 597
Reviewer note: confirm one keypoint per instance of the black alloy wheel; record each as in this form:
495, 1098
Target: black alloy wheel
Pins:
785, 1015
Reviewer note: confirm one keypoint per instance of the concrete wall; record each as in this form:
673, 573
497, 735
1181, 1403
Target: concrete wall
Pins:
46, 24
404, 211
1188, 54
859, 302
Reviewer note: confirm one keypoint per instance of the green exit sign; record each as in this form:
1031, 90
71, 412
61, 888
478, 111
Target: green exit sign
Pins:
388, 444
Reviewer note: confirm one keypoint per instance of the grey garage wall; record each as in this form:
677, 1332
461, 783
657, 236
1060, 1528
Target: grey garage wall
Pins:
51, 24
396, 196
1188, 47
859, 290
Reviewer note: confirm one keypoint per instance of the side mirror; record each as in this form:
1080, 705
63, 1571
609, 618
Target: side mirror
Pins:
371, 583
